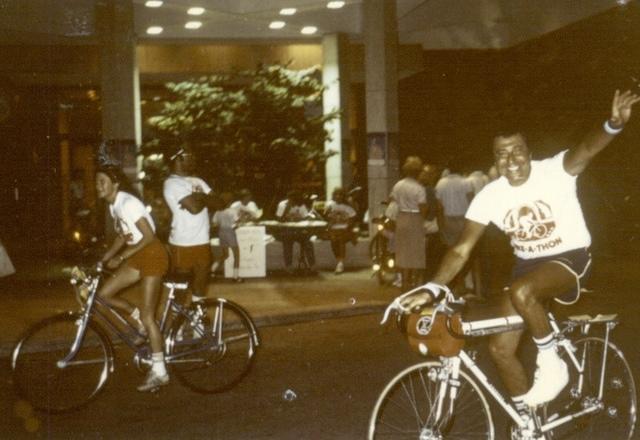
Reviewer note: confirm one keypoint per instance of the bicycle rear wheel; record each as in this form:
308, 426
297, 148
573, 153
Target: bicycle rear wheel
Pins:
407, 407
40, 379
213, 349
615, 417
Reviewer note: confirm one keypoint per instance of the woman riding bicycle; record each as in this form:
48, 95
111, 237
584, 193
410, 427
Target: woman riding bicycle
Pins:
137, 255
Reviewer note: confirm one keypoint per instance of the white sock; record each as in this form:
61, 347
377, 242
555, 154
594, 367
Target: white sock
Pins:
214, 266
545, 343
236, 272
518, 402
157, 365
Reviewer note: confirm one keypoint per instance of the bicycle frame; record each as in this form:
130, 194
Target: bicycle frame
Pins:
90, 311
496, 325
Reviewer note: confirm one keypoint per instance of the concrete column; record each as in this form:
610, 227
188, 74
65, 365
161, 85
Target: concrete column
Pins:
120, 79
381, 92
335, 78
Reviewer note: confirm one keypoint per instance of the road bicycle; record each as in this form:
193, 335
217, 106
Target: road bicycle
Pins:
63, 362
444, 398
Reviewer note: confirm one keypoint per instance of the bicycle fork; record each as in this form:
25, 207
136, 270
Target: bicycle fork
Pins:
83, 322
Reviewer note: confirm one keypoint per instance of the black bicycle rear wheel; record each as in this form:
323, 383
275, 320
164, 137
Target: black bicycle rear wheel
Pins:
214, 347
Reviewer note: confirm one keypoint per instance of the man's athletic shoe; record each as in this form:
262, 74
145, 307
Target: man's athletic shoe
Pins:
153, 381
551, 377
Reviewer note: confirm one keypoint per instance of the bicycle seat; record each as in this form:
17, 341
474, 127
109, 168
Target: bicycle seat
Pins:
177, 278
613, 317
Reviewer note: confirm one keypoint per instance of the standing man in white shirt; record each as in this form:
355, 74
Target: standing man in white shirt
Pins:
536, 204
188, 198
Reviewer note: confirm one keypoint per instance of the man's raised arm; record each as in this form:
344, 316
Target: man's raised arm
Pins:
578, 157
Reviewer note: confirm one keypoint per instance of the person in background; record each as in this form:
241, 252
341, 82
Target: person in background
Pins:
341, 217
246, 208
135, 255
226, 220
433, 252
411, 198
293, 209
454, 193
188, 198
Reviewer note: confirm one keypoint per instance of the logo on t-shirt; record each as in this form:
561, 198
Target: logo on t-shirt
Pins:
530, 221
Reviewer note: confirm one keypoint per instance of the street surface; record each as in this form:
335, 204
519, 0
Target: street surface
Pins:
333, 368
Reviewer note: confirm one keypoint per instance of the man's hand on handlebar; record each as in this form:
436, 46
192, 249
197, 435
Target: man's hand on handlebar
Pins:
415, 302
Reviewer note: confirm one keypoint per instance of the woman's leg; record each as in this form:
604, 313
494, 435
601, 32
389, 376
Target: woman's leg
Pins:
123, 278
151, 295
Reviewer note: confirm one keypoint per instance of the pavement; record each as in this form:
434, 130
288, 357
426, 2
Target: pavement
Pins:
41, 290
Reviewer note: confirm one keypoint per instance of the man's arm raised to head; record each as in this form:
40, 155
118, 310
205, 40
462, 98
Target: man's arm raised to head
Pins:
457, 256
578, 157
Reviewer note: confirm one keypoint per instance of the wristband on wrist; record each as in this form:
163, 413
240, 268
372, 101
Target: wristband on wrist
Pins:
611, 130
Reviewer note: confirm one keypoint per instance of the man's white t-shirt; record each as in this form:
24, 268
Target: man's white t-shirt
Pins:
186, 229
542, 216
126, 211
452, 191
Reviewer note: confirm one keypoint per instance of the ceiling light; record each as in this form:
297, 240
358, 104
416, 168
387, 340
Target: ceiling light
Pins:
193, 25
153, 3
277, 24
288, 11
335, 4
154, 30
196, 10
308, 30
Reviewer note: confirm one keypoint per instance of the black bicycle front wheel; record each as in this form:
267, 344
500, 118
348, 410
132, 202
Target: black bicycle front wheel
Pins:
47, 376
212, 347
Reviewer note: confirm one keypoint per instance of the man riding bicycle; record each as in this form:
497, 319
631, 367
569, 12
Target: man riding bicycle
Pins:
536, 205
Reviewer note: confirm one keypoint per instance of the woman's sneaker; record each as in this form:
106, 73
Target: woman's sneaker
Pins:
153, 381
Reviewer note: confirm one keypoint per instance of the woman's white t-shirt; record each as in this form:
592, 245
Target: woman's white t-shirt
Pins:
339, 213
126, 211
542, 217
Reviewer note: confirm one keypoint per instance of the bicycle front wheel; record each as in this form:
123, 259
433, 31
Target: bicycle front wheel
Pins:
41, 378
212, 348
408, 407
615, 415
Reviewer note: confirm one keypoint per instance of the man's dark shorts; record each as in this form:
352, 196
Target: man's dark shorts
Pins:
577, 262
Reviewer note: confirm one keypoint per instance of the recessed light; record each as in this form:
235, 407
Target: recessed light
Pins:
335, 4
193, 25
308, 30
288, 11
154, 30
196, 10
277, 24
153, 3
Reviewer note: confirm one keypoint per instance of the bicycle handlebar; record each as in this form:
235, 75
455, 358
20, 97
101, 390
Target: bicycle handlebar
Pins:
436, 291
